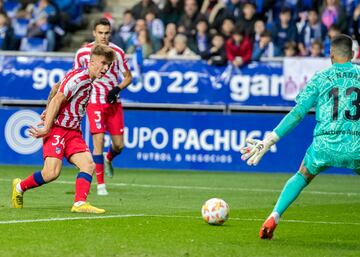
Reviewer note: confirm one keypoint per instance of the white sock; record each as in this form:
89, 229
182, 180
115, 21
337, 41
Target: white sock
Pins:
18, 188
101, 186
78, 203
276, 216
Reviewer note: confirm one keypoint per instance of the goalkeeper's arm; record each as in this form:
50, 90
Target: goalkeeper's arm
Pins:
256, 148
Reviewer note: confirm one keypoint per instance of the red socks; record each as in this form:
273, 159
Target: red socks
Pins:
34, 180
82, 186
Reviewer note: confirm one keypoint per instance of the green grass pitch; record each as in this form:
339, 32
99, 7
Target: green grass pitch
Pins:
157, 213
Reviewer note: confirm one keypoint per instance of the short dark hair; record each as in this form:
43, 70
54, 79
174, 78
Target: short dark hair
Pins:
342, 45
265, 33
102, 21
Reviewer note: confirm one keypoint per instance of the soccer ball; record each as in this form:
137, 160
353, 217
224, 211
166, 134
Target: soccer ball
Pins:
215, 211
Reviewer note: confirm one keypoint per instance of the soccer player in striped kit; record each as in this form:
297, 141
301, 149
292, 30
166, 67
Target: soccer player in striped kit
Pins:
105, 111
62, 135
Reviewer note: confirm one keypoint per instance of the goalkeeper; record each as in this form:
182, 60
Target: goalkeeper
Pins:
335, 94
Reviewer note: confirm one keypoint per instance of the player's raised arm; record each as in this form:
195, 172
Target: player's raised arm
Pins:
305, 101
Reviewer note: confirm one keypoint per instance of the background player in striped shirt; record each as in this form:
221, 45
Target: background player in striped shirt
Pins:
335, 94
61, 132
105, 111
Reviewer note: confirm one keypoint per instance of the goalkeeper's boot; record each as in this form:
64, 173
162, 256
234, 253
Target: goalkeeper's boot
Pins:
267, 229
87, 208
108, 168
16, 197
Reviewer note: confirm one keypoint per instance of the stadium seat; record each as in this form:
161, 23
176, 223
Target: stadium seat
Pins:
11, 7
89, 2
20, 26
33, 44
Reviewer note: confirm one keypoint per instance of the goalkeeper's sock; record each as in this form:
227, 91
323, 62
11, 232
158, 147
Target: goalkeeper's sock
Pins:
99, 162
111, 154
82, 186
290, 192
34, 180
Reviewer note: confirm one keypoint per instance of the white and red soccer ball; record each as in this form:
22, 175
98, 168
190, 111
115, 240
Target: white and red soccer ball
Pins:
215, 211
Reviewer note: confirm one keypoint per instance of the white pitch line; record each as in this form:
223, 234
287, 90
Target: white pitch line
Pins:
167, 216
71, 218
238, 189
219, 188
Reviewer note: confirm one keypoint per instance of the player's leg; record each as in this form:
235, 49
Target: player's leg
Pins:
98, 142
96, 118
290, 192
115, 126
117, 144
50, 171
86, 165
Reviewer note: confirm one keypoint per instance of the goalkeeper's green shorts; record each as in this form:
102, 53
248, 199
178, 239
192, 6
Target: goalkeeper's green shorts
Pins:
319, 157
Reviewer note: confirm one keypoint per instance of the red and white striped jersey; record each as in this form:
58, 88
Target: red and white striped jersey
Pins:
77, 87
110, 79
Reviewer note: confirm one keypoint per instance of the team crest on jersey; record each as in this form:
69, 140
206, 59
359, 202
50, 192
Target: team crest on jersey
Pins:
58, 150
98, 125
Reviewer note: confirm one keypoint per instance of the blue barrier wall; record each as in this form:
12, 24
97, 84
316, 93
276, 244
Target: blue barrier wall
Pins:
163, 82
171, 140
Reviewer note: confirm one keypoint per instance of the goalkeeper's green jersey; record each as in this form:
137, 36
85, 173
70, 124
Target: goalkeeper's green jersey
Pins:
335, 94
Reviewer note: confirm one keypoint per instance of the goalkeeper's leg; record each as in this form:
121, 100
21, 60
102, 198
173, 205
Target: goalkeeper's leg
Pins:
290, 192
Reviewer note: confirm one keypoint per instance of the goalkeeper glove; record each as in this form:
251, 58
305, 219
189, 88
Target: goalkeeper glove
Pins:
257, 148
113, 95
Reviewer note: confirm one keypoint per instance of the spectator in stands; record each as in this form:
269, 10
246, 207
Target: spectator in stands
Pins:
316, 49
332, 13
140, 24
227, 28
217, 54
247, 21
332, 32
172, 11
355, 24
312, 30
180, 47
168, 40
125, 30
143, 41
215, 12
201, 41
263, 8
290, 49
7, 38
284, 30
187, 23
42, 14
155, 27
259, 28
160, 3
264, 47
238, 48
141, 8
234, 8
71, 14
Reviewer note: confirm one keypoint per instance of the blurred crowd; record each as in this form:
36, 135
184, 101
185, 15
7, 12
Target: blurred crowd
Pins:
40, 24
218, 31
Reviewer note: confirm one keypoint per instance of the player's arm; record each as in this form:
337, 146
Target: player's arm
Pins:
51, 113
53, 91
305, 101
113, 93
